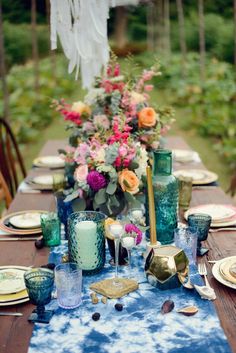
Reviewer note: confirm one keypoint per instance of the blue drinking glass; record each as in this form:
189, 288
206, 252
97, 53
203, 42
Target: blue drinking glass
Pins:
200, 223
39, 285
64, 209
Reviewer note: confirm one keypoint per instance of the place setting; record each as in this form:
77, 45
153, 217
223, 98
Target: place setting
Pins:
23, 223
43, 183
224, 271
199, 176
51, 162
185, 156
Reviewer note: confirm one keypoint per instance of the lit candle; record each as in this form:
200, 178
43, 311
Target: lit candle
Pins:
116, 230
86, 234
152, 215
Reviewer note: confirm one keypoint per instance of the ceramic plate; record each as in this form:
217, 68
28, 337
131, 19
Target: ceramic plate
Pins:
49, 162
219, 213
224, 270
184, 155
199, 176
14, 298
11, 281
26, 220
216, 272
7, 227
45, 179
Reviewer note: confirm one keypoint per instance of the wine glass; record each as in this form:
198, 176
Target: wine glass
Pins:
201, 223
116, 230
128, 242
39, 285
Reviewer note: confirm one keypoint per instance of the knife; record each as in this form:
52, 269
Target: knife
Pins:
15, 239
6, 313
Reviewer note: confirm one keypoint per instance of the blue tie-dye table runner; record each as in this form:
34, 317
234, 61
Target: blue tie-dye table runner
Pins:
140, 327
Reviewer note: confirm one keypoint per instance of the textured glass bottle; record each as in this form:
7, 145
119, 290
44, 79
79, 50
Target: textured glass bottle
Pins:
165, 187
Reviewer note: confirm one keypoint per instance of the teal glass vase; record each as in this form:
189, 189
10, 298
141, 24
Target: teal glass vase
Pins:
165, 187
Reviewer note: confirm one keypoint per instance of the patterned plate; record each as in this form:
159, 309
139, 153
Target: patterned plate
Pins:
199, 176
224, 270
11, 281
216, 272
221, 214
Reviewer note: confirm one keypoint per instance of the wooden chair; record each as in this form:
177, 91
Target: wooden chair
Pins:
11, 161
232, 188
4, 191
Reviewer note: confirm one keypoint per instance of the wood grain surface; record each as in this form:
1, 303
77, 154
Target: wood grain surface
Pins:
15, 332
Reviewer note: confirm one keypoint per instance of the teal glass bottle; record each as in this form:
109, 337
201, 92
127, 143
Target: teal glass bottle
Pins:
165, 187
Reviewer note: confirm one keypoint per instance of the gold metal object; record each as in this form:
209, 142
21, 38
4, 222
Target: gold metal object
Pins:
152, 215
107, 289
167, 267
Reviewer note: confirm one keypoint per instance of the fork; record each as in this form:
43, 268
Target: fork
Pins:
202, 270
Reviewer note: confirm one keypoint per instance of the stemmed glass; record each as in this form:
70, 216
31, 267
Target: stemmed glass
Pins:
116, 230
39, 285
201, 223
128, 242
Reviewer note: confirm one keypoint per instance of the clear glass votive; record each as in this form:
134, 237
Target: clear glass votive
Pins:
186, 239
68, 278
51, 229
58, 182
185, 191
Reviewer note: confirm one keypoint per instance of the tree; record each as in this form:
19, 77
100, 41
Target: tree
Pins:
182, 40
235, 34
166, 16
3, 69
35, 54
51, 52
202, 45
121, 22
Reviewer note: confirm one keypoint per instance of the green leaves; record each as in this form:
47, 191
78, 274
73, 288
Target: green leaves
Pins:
100, 197
111, 188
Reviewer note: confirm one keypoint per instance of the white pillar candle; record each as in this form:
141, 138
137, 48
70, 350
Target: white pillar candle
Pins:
86, 234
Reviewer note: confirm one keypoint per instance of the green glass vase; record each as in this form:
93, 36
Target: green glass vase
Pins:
165, 187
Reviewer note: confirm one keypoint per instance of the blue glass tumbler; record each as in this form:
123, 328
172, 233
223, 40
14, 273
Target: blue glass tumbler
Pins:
201, 223
64, 209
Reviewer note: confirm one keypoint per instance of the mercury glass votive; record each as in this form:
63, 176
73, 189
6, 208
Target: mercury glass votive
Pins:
51, 229
39, 285
185, 191
201, 223
86, 240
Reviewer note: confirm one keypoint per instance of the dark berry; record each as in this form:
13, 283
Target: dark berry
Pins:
39, 244
50, 266
119, 307
96, 316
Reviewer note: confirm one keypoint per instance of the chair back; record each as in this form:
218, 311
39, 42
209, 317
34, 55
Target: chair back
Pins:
11, 162
4, 191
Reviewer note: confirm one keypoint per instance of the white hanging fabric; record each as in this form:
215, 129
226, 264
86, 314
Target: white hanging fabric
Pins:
81, 26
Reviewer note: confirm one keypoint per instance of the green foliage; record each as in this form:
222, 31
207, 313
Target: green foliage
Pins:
30, 113
18, 42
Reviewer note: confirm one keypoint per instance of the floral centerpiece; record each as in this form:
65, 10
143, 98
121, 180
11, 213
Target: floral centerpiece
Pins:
111, 132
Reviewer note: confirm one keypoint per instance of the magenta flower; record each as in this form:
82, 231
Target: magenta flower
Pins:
131, 228
96, 180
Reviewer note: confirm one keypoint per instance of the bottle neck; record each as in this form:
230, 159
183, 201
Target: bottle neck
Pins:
162, 162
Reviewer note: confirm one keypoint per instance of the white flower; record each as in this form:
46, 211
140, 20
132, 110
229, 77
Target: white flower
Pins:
142, 159
93, 95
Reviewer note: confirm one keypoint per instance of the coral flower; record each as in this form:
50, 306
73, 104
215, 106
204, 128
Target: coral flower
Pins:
147, 117
128, 181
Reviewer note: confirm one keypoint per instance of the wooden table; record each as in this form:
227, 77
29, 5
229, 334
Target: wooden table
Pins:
15, 332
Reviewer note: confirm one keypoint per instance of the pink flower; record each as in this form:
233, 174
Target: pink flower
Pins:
101, 121
148, 88
81, 173
96, 180
117, 70
122, 151
131, 228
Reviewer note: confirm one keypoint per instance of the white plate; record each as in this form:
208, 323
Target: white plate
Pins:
49, 161
45, 179
219, 213
26, 220
11, 280
185, 155
217, 275
199, 176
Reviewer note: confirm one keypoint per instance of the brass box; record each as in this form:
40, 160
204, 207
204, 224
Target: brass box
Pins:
166, 267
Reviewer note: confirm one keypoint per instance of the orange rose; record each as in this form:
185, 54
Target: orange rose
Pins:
128, 181
80, 107
147, 117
